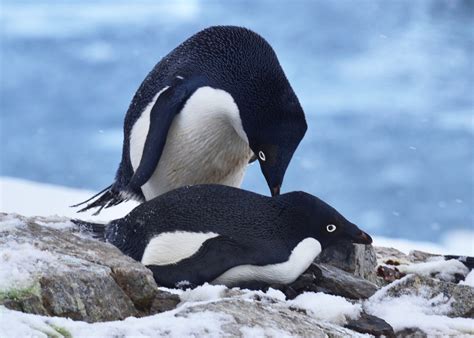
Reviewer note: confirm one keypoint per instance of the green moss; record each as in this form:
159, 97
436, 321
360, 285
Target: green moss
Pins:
18, 294
62, 331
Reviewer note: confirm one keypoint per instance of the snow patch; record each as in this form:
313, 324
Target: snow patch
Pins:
206, 292
10, 222
248, 331
469, 279
38, 199
420, 311
275, 294
170, 324
334, 309
437, 267
18, 262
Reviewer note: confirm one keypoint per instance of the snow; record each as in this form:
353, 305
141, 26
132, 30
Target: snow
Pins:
10, 222
275, 294
263, 332
204, 292
334, 309
170, 324
438, 267
38, 199
408, 311
18, 261
469, 279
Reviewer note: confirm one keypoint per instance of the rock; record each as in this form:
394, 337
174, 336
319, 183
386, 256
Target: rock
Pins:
416, 256
460, 297
262, 318
329, 279
389, 274
164, 301
371, 325
357, 259
338, 282
69, 275
411, 332
390, 256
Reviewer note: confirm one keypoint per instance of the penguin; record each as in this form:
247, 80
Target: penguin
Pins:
215, 103
224, 235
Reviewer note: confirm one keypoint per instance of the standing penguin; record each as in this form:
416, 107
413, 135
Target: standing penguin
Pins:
216, 102
224, 235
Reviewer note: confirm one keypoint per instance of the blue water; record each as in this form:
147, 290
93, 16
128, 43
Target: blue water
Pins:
387, 88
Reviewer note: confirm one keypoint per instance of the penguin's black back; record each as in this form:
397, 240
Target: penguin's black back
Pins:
231, 58
238, 214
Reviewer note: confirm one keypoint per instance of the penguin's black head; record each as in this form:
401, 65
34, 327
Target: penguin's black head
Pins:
274, 142
327, 225
246, 66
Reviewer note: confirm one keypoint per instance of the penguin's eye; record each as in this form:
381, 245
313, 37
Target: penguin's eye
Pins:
261, 155
330, 227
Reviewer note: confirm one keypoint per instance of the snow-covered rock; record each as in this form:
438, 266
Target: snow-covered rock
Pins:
55, 281
422, 304
47, 269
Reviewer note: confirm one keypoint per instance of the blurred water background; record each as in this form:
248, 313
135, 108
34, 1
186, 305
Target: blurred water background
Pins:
387, 88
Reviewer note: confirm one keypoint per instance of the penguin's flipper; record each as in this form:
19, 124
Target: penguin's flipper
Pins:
214, 257
166, 107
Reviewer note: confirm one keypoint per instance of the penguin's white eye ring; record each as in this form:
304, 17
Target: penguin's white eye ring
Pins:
261, 155
330, 227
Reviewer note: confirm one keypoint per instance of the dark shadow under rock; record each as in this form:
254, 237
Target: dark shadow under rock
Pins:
371, 325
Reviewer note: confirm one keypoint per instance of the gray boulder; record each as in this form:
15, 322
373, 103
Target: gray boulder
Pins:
260, 317
69, 275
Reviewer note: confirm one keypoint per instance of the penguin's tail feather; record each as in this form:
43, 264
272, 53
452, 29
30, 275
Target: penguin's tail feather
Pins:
96, 230
105, 199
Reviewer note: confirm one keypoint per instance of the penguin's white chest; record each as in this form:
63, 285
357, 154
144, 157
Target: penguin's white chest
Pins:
282, 273
206, 143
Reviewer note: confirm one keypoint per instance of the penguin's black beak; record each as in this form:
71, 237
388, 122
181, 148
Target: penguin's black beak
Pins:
276, 190
361, 238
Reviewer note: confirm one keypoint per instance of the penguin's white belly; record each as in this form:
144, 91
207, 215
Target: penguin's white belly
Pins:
172, 247
205, 144
283, 273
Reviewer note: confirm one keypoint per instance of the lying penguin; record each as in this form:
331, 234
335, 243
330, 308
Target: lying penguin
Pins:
216, 102
224, 235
